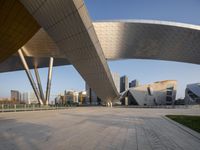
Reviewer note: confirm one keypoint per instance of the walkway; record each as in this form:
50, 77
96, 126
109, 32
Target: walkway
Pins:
97, 128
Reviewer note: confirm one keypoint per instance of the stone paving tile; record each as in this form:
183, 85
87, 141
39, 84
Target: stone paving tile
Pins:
95, 128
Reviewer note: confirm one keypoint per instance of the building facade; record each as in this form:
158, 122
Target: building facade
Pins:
15, 96
71, 96
24, 97
32, 99
133, 83
82, 97
192, 94
157, 93
116, 79
91, 97
124, 85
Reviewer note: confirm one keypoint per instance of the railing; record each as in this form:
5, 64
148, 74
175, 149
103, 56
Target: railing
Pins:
159, 106
29, 107
36, 107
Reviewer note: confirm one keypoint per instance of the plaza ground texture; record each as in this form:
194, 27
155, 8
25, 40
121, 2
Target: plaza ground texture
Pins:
96, 128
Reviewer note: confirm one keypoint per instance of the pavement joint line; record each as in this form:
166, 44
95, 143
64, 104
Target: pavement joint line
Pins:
184, 128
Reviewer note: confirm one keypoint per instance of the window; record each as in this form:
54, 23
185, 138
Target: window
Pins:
168, 99
169, 92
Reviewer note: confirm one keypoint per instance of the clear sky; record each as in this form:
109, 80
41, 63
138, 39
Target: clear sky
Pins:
146, 71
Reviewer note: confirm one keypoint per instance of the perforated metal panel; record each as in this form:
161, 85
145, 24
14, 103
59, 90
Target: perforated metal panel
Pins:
146, 39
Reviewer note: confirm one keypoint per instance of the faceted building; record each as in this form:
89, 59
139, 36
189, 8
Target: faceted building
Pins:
192, 94
157, 93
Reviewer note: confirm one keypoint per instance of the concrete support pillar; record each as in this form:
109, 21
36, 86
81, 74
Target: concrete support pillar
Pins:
109, 104
39, 84
49, 80
30, 76
126, 101
15, 107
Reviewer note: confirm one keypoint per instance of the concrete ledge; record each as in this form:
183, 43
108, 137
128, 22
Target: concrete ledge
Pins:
159, 107
185, 128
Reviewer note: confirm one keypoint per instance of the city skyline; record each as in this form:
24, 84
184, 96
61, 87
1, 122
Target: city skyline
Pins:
71, 80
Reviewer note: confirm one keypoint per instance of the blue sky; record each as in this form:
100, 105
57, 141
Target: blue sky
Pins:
146, 71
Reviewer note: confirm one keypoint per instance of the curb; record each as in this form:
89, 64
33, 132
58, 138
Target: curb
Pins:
186, 129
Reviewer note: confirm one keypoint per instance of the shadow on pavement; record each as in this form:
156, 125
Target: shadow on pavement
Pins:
15, 135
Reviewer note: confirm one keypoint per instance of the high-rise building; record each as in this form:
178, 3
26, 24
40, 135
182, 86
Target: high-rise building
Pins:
91, 97
123, 83
82, 97
15, 95
75, 100
69, 96
32, 99
134, 83
24, 97
116, 79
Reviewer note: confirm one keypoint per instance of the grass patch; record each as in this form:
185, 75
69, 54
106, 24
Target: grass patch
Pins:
193, 122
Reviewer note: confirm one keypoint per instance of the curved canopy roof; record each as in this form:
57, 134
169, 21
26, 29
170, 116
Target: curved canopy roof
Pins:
128, 39
149, 39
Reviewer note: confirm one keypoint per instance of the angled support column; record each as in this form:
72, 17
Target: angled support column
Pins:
39, 84
49, 80
30, 76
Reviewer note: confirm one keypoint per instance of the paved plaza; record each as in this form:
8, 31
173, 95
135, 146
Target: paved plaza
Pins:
97, 128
